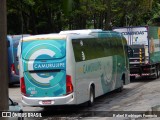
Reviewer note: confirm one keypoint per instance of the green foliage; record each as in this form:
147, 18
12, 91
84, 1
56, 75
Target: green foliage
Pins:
49, 16
154, 14
67, 6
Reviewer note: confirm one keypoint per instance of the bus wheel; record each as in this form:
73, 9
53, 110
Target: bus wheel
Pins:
91, 97
120, 89
158, 73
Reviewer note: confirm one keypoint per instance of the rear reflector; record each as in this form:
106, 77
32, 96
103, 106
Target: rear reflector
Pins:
69, 86
146, 69
23, 87
13, 70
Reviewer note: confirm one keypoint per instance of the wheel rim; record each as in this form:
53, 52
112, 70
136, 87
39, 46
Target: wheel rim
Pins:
158, 73
91, 97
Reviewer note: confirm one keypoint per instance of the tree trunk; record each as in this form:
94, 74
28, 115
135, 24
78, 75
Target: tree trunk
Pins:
4, 58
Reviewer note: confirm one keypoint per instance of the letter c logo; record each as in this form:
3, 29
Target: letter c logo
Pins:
33, 57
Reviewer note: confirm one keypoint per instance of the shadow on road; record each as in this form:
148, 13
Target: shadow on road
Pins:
78, 111
105, 99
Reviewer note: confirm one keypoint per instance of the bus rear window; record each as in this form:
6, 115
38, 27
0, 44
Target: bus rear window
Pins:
43, 49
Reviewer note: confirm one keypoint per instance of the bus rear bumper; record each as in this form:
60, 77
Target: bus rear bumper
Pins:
48, 101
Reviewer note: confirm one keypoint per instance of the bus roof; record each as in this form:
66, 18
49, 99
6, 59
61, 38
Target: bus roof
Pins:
83, 31
72, 33
44, 36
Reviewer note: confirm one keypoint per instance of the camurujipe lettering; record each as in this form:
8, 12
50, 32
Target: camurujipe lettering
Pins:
91, 67
49, 65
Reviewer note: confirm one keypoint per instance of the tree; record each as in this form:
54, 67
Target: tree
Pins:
39, 16
3, 57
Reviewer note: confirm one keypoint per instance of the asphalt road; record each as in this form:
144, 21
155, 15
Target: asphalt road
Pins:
127, 100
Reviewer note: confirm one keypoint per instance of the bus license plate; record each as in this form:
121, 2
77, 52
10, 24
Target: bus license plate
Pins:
47, 102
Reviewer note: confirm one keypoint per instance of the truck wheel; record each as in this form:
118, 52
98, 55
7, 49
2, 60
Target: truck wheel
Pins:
132, 77
91, 97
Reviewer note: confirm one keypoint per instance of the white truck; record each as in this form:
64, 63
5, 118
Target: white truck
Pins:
144, 44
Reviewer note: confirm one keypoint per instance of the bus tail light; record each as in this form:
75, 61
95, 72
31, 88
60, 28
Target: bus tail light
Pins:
23, 87
69, 86
13, 70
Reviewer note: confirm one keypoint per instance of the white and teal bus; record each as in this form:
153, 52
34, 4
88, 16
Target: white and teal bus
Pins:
71, 67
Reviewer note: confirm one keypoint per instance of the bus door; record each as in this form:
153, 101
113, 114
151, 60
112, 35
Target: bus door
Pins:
118, 60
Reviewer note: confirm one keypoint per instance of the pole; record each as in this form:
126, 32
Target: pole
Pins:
3, 58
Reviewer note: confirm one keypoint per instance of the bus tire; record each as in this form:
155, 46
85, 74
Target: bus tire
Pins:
120, 89
91, 96
157, 72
